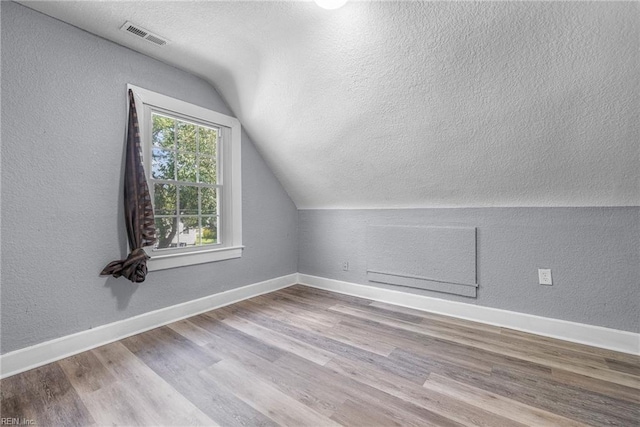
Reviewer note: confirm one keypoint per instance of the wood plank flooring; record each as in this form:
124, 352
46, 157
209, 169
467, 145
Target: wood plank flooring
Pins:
306, 357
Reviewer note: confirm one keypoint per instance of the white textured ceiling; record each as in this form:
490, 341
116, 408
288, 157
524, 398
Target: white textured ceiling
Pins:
415, 104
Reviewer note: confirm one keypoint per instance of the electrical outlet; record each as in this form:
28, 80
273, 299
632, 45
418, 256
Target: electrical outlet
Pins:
345, 266
544, 276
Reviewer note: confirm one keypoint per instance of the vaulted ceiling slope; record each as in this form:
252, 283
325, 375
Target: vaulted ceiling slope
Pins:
414, 104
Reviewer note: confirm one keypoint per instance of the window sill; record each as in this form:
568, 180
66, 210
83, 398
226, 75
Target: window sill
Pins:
165, 261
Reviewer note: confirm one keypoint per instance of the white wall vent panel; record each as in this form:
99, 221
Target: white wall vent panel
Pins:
441, 259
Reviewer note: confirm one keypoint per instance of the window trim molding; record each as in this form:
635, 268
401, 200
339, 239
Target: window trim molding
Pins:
231, 215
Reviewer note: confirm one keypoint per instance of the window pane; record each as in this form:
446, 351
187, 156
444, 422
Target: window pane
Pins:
186, 136
209, 230
208, 201
208, 141
188, 232
163, 132
164, 199
207, 167
166, 229
188, 200
187, 167
162, 164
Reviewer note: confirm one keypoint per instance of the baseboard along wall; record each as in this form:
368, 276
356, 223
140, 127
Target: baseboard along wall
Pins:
596, 336
50, 351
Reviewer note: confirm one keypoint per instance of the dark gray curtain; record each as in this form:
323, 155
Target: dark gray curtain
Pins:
138, 210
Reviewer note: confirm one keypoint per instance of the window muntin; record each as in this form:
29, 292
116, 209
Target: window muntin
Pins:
184, 181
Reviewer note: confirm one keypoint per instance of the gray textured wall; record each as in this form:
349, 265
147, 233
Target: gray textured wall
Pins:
63, 122
594, 254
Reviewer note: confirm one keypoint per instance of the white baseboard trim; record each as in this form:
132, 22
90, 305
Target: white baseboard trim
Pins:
59, 348
596, 336
50, 351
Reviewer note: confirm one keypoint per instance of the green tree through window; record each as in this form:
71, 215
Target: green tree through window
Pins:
184, 182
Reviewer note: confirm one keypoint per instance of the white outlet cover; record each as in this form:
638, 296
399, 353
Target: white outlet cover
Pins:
544, 276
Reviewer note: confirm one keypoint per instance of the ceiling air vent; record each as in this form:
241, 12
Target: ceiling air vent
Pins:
144, 34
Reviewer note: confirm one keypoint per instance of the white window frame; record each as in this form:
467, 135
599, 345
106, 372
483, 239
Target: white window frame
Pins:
229, 175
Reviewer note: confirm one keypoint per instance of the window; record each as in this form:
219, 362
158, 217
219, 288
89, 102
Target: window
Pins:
192, 162
184, 181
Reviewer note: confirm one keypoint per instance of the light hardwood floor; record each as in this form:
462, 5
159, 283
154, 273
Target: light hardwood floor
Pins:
306, 357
